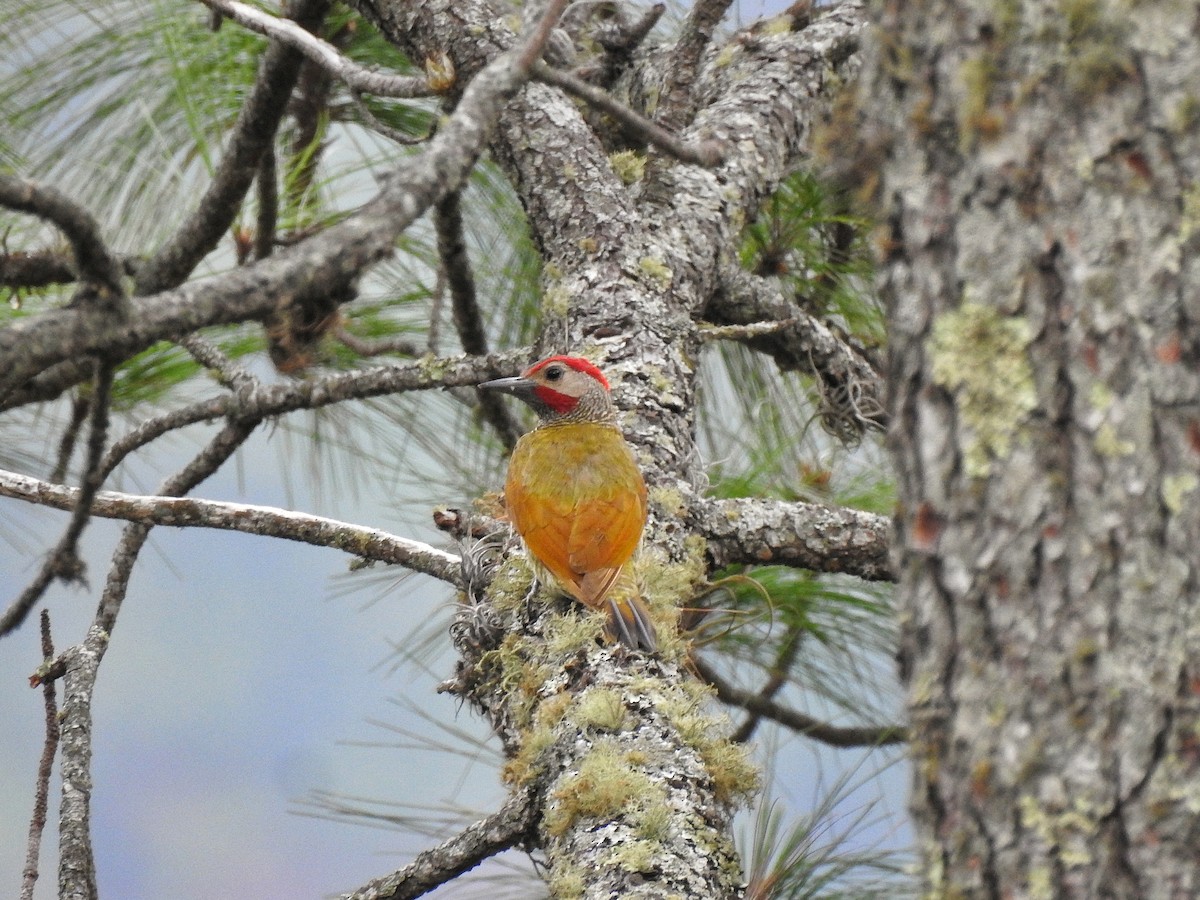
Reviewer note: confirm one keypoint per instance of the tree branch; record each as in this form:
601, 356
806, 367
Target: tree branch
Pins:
81, 663
776, 679
464, 304
323, 54
851, 388
806, 535
701, 153
318, 267
833, 735
63, 561
37, 821
252, 134
267, 521
678, 97
762, 100
95, 263
42, 268
505, 828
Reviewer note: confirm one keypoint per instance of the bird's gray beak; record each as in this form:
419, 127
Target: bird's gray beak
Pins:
516, 385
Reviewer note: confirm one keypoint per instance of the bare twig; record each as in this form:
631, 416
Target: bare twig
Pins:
37, 821
786, 656
756, 310
373, 122
704, 153
268, 521
377, 346
80, 404
358, 78
229, 373
468, 321
96, 263
63, 561
833, 735
505, 828
619, 46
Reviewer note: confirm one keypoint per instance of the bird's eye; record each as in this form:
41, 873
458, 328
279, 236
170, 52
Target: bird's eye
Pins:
554, 373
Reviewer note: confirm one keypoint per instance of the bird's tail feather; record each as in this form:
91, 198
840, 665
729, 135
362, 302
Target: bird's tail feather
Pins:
629, 622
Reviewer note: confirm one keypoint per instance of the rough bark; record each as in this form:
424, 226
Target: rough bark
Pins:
636, 786
1039, 194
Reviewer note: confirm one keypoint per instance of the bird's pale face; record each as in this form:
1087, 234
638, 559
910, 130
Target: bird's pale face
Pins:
560, 387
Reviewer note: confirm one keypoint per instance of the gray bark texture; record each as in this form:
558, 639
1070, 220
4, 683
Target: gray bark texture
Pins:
1037, 171
636, 785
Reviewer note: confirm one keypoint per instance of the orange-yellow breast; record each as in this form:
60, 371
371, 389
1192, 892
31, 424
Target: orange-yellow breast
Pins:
576, 497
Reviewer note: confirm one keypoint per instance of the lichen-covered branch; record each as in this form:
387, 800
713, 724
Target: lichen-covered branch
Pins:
830, 539
505, 828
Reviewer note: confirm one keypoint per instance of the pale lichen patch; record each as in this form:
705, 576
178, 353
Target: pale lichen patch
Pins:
980, 356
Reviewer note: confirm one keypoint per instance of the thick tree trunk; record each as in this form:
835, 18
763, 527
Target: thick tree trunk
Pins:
1041, 193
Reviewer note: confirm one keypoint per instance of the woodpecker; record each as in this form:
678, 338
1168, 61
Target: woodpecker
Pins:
574, 492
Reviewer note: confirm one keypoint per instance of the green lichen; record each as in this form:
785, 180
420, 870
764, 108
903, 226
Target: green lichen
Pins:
566, 881
1101, 397
1109, 443
657, 271
432, 367
572, 632
977, 117
601, 709
668, 499
629, 165
1176, 487
1189, 219
980, 356
556, 301
727, 55
511, 583
1185, 117
733, 772
603, 788
1095, 53
634, 856
653, 823
1040, 885
514, 669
